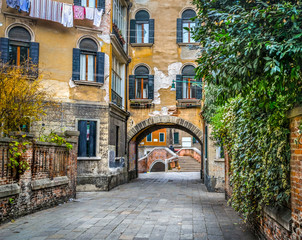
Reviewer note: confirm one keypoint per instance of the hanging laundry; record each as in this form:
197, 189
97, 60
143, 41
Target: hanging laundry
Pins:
67, 15
78, 12
54, 11
24, 5
89, 13
97, 17
56, 15
38, 9
13, 3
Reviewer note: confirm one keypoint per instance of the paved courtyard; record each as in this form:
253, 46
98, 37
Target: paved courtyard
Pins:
167, 206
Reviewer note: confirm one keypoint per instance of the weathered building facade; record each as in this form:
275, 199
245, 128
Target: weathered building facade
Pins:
83, 63
162, 86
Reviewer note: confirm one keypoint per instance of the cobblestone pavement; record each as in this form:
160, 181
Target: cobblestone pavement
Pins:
167, 206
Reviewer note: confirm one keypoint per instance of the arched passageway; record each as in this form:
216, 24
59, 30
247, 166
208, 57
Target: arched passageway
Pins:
158, 166
137, 133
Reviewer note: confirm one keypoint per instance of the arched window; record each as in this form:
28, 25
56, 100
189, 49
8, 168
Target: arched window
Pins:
142, 28
19, 45
141, 85
184, 35
187, 87
88, 59
88, 63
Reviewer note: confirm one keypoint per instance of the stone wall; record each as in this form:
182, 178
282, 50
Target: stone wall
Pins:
50, 180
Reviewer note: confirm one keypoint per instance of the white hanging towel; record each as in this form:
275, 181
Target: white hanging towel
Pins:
67, 15
89, 13
97, 17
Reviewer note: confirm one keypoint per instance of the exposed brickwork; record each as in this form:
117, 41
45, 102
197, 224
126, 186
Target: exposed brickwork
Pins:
158, 154
191, 153
268, 227
57, 188
296, 179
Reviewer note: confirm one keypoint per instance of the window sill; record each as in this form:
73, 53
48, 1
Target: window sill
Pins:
186, 100
141, 100
89, 158
189, 44
88, 83
141, 44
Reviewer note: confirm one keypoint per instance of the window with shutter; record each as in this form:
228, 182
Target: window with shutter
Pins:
161, 137
87, 138
88, 60
142, 28
143, 84
185, 26
19, 52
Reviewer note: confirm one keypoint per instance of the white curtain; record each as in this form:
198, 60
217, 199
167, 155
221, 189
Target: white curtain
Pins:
185, 36
90, 70
83, 67
146, 33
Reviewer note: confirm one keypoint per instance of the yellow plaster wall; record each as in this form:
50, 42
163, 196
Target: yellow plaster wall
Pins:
55, 53
165, 58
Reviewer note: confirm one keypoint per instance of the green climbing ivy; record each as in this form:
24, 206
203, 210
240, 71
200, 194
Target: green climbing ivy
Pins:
250, 61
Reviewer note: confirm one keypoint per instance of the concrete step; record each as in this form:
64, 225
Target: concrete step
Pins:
187, 164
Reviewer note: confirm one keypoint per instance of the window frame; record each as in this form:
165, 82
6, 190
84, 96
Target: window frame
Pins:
119, 16
176, 133
143, 23
143, 79
185, 21
150, 134
160, 134
86, 54
87, 3
96, 150
191, 79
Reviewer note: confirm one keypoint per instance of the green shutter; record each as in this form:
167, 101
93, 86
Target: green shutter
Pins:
132, 31
76, 64
131, 87
100, 67
4, 49
82, 145
151, 30
179, 31
151, 87
178, 87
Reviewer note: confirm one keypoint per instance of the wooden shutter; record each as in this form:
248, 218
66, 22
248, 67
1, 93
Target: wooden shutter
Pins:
34, 57
151, 87
101, 5
132, 31
199, 89
82, 146
131, 87
92, 139
77, 2
34, 53
4, 49
76, 64
151, 31
100, 67
178, 87
179, 31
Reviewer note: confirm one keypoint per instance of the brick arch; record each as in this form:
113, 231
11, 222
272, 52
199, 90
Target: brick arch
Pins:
151, 124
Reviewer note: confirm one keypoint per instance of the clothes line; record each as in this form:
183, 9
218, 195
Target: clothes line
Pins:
54, 11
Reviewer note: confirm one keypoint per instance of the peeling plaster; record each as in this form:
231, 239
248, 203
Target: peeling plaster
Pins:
165, 111
163, 81
71, 83
105, 38
106, 80
141, 1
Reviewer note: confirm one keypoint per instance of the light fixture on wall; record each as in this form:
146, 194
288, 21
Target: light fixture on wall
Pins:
173, 86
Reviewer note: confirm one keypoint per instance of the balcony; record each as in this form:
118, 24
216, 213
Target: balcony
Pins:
116, 99
117, 32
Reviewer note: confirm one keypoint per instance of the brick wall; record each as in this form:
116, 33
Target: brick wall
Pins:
50, 180
296, 175
282, 223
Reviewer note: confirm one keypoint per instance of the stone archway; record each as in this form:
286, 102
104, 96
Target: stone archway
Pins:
142, 129
164, 122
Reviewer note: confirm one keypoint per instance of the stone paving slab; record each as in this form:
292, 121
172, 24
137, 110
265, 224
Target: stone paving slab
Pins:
157, 206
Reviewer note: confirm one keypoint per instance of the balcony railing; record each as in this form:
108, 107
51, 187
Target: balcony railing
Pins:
116, 99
